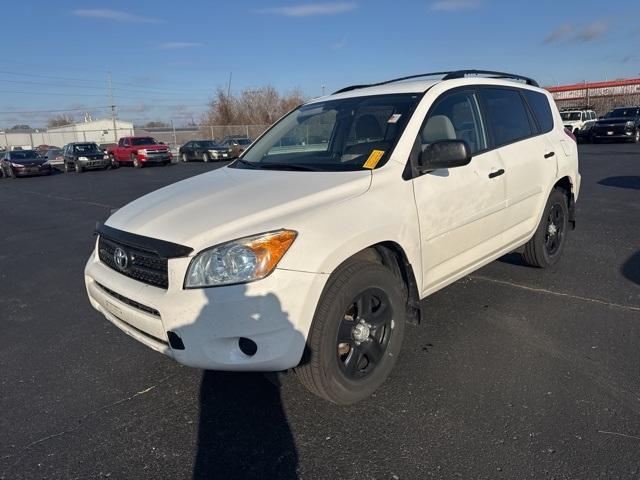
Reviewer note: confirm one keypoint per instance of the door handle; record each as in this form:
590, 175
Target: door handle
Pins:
497, 173
549, 155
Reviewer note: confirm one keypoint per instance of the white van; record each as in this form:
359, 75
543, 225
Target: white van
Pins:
314, 249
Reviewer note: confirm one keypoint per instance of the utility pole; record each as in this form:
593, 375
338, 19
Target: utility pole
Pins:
175, 140
113, 111
229, 85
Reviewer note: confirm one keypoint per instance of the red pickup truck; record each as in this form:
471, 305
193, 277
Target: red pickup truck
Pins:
139, 151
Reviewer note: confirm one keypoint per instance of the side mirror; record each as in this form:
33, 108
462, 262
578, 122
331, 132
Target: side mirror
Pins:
444, 154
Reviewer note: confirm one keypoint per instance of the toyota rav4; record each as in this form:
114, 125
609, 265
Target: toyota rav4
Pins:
314, 255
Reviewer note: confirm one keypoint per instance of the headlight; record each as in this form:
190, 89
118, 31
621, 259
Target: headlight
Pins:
83, 158
142, 151
17, 165
239, 261
630, 124
105, 157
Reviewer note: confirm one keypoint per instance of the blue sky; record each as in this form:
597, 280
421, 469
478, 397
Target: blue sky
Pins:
167, 58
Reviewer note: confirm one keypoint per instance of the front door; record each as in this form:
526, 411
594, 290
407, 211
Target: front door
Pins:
461, 210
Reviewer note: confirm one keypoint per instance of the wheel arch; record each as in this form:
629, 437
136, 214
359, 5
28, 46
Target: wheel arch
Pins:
392, 255
566, 185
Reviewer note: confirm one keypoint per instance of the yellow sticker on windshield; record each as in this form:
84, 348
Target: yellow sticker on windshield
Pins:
373, 159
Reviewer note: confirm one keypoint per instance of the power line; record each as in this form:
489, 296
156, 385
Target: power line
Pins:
149, 87
55, 111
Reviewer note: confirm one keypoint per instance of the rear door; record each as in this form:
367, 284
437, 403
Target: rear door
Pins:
461, 210
528, 156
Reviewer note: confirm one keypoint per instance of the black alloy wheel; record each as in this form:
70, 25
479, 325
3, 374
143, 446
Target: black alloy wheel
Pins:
364, 333
555, 229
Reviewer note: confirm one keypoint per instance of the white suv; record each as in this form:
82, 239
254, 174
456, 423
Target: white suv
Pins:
315, 248
575, 120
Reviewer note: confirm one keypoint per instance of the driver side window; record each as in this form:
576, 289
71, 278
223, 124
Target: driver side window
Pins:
455, 116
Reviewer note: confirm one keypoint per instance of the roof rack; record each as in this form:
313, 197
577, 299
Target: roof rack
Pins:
451, 75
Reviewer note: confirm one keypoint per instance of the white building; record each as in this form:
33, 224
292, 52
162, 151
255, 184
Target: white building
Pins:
98, 131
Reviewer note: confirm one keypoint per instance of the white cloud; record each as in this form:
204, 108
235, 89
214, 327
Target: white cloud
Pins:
113, 15
179, 45
455, 5
582, 34
592, 31
330, 8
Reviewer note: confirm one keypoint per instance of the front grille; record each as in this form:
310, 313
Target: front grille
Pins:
604, 129
144, 266
157, 153
130, 302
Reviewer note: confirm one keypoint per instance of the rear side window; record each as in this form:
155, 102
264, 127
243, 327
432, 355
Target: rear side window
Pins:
541, 109
507, 115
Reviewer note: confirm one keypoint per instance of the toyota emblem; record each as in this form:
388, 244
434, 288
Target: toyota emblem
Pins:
121, 258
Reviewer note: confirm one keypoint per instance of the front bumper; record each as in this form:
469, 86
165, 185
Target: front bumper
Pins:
220, 155
95, 163
155, 158
275, 313
28, 172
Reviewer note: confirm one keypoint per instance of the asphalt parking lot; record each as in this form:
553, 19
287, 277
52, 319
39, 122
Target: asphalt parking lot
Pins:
517, 372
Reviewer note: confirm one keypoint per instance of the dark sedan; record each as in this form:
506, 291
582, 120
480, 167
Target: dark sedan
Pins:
83, 156
24, 163
619, 124
205, 150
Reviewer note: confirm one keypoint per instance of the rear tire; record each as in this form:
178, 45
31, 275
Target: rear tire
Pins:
352, 348
66, 168
547, 244
136, 161
636, 136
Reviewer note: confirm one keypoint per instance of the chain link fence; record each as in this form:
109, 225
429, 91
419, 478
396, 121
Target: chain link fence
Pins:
174, 137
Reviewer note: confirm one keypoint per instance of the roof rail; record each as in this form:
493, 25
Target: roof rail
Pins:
490, 73
451, 75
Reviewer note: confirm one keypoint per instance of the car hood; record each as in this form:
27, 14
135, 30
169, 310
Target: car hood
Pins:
29, 161
229, 203
615, 120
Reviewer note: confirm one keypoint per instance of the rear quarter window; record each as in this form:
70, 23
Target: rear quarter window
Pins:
541, 110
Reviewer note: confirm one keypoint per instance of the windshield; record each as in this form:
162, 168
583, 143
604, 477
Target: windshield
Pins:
143, 141
570, 116
348, 134
86, 148
243, 141
209, 144
24, 155
622, 113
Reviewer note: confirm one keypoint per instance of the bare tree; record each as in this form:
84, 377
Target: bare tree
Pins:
156, 124
59, 121
260, 106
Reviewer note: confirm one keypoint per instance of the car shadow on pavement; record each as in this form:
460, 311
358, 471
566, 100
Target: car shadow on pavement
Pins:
243, 431
631, 268
629, 181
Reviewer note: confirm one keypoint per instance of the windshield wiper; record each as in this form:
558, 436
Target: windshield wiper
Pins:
287, 166
245, 163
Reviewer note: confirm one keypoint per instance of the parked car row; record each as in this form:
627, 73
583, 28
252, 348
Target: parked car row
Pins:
620, 124
207, 150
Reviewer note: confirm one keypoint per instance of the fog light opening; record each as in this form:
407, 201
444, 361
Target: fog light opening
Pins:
247, 346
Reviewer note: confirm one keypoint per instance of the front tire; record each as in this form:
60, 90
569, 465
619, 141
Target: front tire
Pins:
547, 244
356, 334
114, 162
206, 158
636, 136
79, 168
184, 158
136, 162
